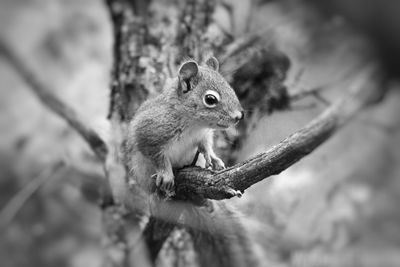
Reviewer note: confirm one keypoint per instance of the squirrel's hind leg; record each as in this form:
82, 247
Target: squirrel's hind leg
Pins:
164, 175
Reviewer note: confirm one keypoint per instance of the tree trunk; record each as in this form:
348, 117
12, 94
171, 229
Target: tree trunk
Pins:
148, 47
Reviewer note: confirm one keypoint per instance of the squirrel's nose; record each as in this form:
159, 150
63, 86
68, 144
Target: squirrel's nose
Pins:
239, 115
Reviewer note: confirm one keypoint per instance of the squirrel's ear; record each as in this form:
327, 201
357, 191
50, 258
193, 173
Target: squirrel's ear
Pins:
188, 70
213, 63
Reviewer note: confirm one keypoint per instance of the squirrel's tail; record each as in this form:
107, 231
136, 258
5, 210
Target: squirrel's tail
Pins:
219, 237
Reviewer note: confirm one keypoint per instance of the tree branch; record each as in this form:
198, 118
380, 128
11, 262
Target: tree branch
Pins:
238, 46
12, 207
196, 183
54, 104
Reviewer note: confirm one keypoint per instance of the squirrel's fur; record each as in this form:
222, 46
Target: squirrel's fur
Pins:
168, 130
219, 237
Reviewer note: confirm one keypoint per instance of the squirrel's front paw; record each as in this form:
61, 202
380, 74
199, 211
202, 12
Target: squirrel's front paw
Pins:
217, 163
165, 182
213, 162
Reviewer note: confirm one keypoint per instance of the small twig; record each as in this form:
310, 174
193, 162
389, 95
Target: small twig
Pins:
299, 75
301, 93
45, 95
314, 92
250, 15
322, 99
239, 45
304, 92
229, 9
15, 204
249, 40
303, 107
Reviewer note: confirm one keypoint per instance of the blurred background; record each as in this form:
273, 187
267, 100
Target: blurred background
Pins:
336, 207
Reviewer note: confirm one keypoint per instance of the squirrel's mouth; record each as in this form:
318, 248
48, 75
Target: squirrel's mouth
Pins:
223, 126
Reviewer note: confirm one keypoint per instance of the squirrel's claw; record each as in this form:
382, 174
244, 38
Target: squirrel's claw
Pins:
165, 183
207, 158
213, 162
209, 164
217, 163
234, 193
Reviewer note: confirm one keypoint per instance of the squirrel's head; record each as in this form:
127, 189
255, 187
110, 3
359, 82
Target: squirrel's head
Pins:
206, 95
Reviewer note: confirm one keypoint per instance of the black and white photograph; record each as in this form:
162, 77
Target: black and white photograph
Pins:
199, 133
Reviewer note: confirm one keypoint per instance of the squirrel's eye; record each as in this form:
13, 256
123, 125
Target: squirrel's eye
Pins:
211, 99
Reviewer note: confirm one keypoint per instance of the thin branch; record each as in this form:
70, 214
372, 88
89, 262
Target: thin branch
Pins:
304, 92
11, 209
239, 45
56, 105
200, 183
301, 93
315, 92
45, 95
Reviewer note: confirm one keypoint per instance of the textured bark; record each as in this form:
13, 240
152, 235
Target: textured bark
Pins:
130, 33
135, 50
123, 217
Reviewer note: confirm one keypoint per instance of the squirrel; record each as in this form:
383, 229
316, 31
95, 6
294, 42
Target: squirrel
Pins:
169, 130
